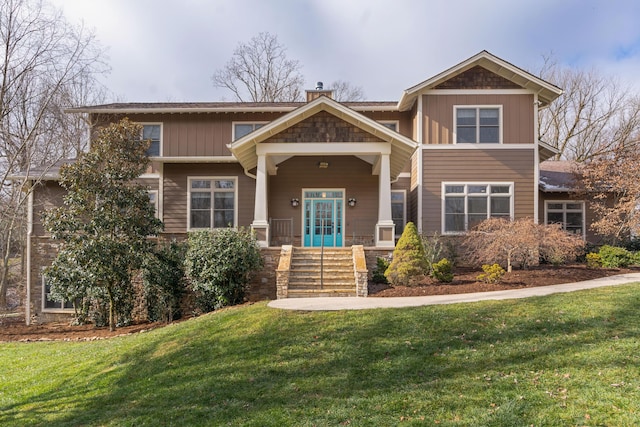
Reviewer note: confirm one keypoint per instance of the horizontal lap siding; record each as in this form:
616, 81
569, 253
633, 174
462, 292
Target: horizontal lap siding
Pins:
344, 172
515, 166
175, 192
517, 116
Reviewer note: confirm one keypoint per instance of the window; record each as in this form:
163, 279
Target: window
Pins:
568, 213
49, 303
153, 200
398, 210
241, 129
391, 124
212, 202
466, 205
478, 125
152, 132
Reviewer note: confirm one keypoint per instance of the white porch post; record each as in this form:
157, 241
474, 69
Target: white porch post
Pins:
260, 223
385, 229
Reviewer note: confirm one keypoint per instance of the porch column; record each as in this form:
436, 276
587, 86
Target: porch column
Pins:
260, 223
385, 229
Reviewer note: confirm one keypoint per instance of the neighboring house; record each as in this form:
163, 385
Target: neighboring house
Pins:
455, 149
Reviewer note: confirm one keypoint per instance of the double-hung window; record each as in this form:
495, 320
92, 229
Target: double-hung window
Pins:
568, 213
241, 129
466, 205
153, 132
212, 202
48, 303
478, 124
398, 210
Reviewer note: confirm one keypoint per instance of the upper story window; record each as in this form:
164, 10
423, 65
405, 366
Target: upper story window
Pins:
391, 124
466, 205
153, 132
212, 202
568, 213
241, 129
481, 124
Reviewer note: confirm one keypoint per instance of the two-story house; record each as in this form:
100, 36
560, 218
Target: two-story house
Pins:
455, 149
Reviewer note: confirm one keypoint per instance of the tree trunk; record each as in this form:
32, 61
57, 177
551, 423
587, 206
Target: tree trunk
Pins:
112, 320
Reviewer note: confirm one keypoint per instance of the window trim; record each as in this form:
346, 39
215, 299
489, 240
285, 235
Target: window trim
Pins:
212, 178
466, 184
245, 122
161, 151
46, 309
564, 212
478, 108
404, 209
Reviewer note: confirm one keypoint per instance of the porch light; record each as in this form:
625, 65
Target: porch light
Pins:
323, 165
295, 202
352, 202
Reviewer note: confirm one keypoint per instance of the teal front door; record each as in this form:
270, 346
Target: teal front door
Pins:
323, 218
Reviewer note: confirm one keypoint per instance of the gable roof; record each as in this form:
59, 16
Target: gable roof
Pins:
244, 149
557, 176
546, 91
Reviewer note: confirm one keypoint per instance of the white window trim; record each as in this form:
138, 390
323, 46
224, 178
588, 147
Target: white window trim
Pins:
244, 122
161, 135
212, 178
511, 195
478, 107
388, 122
584, 213
46, 309
404, 207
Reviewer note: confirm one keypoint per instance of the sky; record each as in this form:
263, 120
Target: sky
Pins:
167, 50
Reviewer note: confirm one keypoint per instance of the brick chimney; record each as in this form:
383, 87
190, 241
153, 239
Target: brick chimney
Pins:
318, 92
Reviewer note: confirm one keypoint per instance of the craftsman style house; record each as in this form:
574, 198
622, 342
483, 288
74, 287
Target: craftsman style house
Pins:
455, 149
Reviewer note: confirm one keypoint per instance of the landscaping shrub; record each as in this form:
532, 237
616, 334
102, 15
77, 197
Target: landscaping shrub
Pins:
442, 271
409, 264
163, 280
492, 273
615, 257
378, 273
433, 249
593, 260
219, 264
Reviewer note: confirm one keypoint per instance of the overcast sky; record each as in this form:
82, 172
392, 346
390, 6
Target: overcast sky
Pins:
167, 50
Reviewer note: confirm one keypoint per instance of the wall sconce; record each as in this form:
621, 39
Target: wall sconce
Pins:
323, 165
352, 202
295, 203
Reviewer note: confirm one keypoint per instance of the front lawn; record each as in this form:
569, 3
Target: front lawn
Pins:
569, 359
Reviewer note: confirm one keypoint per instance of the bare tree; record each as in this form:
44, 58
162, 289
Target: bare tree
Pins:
48, 65
344, 91
260, 71
595, 114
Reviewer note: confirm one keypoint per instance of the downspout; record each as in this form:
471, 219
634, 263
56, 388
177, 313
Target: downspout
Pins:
27, 312
249, 174
420, 139
536, 161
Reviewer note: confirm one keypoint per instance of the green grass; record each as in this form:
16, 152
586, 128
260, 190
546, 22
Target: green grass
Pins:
569, 359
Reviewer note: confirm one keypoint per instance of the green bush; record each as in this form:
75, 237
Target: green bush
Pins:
492, 273
163, 280
442, 271
409, 264
636, 259
615, 257
219, 264
378, 273
593, 260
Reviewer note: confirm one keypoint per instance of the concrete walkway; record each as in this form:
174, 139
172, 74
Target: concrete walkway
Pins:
354, 303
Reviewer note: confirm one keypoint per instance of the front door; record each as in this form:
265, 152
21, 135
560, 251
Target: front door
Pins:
323, 218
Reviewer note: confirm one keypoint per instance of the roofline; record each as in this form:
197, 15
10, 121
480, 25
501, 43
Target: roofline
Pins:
235, 109
409, 95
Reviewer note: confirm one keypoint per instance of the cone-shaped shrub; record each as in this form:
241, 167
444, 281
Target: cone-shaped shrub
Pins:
409, 263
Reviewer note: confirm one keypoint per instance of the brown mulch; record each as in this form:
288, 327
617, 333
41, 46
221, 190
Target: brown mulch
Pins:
13, 328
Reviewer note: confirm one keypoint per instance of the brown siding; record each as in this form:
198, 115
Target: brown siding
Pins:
517, 116
47, 195
175, 192
348, 172
461, 165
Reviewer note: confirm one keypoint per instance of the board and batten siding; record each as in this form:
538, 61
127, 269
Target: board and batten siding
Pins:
460, 165
176, 192
517, 116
